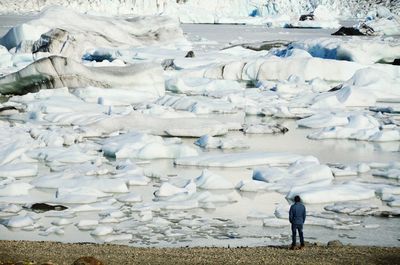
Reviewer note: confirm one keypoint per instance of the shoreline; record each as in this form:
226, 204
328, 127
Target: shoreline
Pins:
39, 252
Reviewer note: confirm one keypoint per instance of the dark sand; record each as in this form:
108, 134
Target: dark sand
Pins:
60, 253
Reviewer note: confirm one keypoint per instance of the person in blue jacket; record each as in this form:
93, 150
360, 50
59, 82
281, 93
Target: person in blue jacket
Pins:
297, 216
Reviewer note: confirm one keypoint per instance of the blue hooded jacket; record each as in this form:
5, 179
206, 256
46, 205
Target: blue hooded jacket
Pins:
297, 213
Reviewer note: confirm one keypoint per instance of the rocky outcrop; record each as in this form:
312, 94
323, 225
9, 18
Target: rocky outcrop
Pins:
57, 72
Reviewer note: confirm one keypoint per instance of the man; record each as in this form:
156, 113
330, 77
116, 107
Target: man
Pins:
297, 216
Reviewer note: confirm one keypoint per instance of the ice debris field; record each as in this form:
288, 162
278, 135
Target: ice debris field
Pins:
141, 130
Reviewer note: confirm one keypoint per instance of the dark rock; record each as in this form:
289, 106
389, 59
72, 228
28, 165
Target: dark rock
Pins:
8, 110
44, 207
396, 62
87, 261
336, 88
363, 30
348, 31
190, 54
334, 243
306, 17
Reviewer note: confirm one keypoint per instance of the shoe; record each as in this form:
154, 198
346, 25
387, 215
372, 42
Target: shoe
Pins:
302, 247
292, 247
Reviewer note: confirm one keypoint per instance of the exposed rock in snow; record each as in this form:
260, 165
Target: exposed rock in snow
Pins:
57, 72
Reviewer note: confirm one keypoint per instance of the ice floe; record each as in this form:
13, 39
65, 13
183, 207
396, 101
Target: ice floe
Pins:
242, 159
144, 146
211, 181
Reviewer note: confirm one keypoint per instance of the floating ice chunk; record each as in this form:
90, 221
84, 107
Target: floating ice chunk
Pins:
207, 141
120, 237
75, 199
342, 192
252, 185
144, 146
145, 216
115, 96
352, 208
19, 221
99, 206
322, 120
84, 191
18, 170
206, 197
395, 202
102, 230
130, 198
181, 205
297, 177
257, 215
391, 173
109, 219
61, 222
10, 208
241, 159
72, 182
276, 222
52, 230
211, 181
264, 128
167, 190
371, 226
386, 136
365, 51
15, 189
87, 224
201, 86
12, 151
188, 126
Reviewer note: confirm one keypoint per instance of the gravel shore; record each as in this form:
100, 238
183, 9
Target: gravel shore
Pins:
12, 252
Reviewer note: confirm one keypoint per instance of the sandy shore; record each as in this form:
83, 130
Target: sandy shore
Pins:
60, 253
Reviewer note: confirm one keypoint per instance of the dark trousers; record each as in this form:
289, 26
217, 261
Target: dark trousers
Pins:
300, 229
